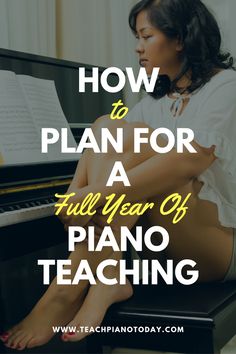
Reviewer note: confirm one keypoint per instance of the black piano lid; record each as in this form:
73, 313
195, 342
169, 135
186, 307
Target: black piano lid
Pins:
34, 173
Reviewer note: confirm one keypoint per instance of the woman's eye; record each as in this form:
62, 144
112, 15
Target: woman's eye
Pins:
143, 37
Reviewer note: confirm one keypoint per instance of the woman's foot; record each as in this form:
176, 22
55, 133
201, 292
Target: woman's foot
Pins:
56, 308
99, 298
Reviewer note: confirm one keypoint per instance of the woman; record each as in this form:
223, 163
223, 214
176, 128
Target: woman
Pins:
196, 90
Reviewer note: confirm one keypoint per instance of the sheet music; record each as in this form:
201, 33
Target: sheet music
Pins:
28, 104
18, 135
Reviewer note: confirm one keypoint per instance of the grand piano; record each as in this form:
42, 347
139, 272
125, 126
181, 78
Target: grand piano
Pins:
27, 191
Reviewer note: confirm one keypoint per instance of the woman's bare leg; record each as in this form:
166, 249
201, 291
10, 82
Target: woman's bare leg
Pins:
101, 296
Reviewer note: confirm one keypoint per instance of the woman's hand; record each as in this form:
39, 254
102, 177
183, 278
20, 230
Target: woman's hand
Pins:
79, 195
99, 221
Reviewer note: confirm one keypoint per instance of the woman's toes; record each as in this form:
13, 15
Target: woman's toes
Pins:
4, 336
14, 339
9, 343
66, 337
24, 342
20, 346
21, 342
75, 337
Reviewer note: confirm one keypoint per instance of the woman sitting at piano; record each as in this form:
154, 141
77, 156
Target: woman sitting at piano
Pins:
196, 90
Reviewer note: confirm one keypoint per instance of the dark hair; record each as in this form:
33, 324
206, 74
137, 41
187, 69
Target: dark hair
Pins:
192, 23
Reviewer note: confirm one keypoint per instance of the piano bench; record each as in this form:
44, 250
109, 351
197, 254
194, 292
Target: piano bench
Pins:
205, 315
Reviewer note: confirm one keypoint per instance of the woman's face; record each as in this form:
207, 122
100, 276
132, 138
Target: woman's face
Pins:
155, 49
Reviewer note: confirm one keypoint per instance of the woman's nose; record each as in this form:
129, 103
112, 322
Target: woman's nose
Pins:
139, 48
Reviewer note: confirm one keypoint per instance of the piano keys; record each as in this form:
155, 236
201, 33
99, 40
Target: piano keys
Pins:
28, 192
29, 202
27, 198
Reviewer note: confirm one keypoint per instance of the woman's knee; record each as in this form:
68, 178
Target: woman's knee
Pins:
130, 138
128, 133
106, 122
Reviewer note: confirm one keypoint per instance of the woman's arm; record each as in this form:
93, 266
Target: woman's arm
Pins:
161, 174
157, 175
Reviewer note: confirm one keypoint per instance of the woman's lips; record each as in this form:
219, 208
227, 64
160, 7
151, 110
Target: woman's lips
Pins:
143, 62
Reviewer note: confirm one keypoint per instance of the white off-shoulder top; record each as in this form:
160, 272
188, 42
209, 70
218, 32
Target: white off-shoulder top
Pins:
211, 114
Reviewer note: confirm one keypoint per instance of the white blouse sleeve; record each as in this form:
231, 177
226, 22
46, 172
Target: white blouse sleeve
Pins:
216, 125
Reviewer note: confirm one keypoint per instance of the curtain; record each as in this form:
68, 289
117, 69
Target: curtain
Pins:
224, 12
28, 26
97, 33
94, 32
